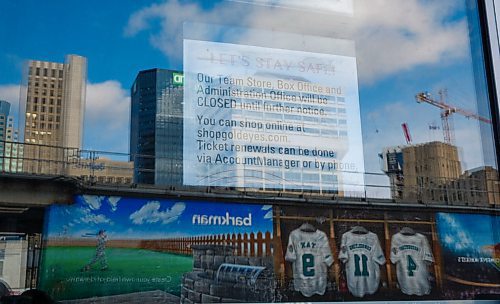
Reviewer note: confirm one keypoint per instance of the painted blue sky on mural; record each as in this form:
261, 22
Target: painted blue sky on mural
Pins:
467, 232
135, 218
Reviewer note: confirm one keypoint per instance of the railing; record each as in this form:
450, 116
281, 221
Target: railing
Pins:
253, 244
90, 168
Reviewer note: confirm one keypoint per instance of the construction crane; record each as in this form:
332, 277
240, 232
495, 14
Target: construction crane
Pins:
446, 112
406, 132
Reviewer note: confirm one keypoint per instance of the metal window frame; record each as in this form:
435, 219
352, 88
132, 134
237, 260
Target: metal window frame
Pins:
491, 51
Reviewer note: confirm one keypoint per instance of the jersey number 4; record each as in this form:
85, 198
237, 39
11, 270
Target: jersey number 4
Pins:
411, 266
361, 265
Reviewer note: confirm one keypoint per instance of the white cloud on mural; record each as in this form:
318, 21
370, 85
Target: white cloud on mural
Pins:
150, 213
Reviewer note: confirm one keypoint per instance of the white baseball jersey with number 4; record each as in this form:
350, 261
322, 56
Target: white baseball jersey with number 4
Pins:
412, 254
311, 256
363, 256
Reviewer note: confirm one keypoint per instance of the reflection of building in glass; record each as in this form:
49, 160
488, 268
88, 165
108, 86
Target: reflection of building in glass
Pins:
484, 101
479, 186
4, 116
431, 173
392, 165
4, 113
273, 158
102, 171
428, 166
156, 127
54, 109
10, 150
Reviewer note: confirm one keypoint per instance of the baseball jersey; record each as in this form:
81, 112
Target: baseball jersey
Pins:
363, 256
411, 254
311, 256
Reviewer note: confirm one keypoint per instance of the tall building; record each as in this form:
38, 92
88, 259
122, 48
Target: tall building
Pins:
479, 187
392, 164
423, 172
156, 127
54, 109
10, 150
427, 167
4, 117
4, 114
431, 173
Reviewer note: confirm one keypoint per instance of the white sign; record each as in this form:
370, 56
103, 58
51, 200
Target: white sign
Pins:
271, 118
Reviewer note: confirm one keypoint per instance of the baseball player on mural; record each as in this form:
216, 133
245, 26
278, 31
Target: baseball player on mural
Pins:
100, 252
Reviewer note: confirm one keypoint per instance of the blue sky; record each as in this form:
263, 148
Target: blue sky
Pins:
467, 231
402, 48
48, 31
130, 218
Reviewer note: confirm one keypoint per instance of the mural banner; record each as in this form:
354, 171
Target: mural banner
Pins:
471, 250
328, 255
193, 251
175, 250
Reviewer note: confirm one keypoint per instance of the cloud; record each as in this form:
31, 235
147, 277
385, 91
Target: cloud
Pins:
269, 215
394, 36
94, 202
95, 219
10, 93
391, 36
172, 14
456, 237
150, 213
382, 128
106, 116
87, 216
113, 202
107, 109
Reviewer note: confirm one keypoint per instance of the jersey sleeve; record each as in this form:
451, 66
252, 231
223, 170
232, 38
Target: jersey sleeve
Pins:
290, 249
326, 252
427, 250
395, 254
378, 254
343, 256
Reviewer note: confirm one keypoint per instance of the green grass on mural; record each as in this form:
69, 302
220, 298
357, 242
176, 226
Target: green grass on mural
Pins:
129, 270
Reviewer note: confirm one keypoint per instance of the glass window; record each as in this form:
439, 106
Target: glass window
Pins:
337, 114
